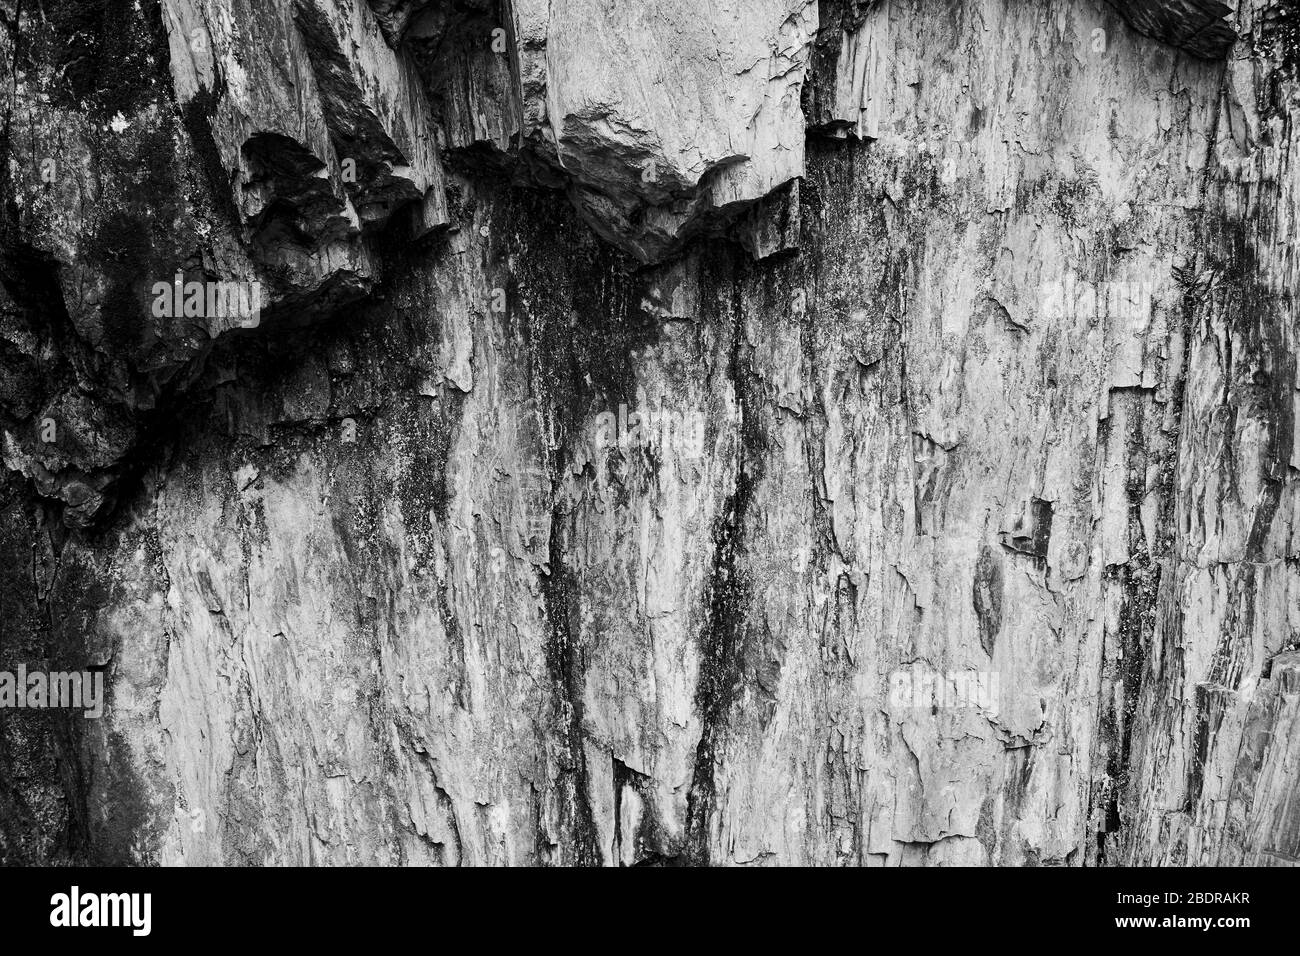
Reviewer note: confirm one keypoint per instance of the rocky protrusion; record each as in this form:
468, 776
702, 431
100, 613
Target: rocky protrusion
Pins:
395, 16
1201, 27
465, 52
669, 118
323, 128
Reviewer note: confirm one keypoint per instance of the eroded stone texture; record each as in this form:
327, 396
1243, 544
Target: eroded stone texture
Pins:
664, 114
104, 195
1202, 27
306, 131
537, 555
322, 127
395, 16
1216, 710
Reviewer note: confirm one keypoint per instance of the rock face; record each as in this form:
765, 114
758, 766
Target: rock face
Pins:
847, 433
662, 116
1202, 27
322, 129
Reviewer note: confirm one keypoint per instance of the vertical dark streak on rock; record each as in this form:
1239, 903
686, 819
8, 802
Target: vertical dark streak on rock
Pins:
42, 806
1138, 581
838, 17
728, 590
563, 355
564, 662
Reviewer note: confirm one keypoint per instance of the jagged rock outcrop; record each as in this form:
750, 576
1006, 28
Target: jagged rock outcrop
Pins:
663, 115
904, 473
317, 124
322, 128
1202, 27
658, 127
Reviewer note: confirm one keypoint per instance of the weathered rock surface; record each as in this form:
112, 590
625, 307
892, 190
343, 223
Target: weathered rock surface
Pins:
1202, 27
322, 128
663, 114
519, 549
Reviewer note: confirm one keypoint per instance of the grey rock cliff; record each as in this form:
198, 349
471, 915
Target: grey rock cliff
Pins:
854, 432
